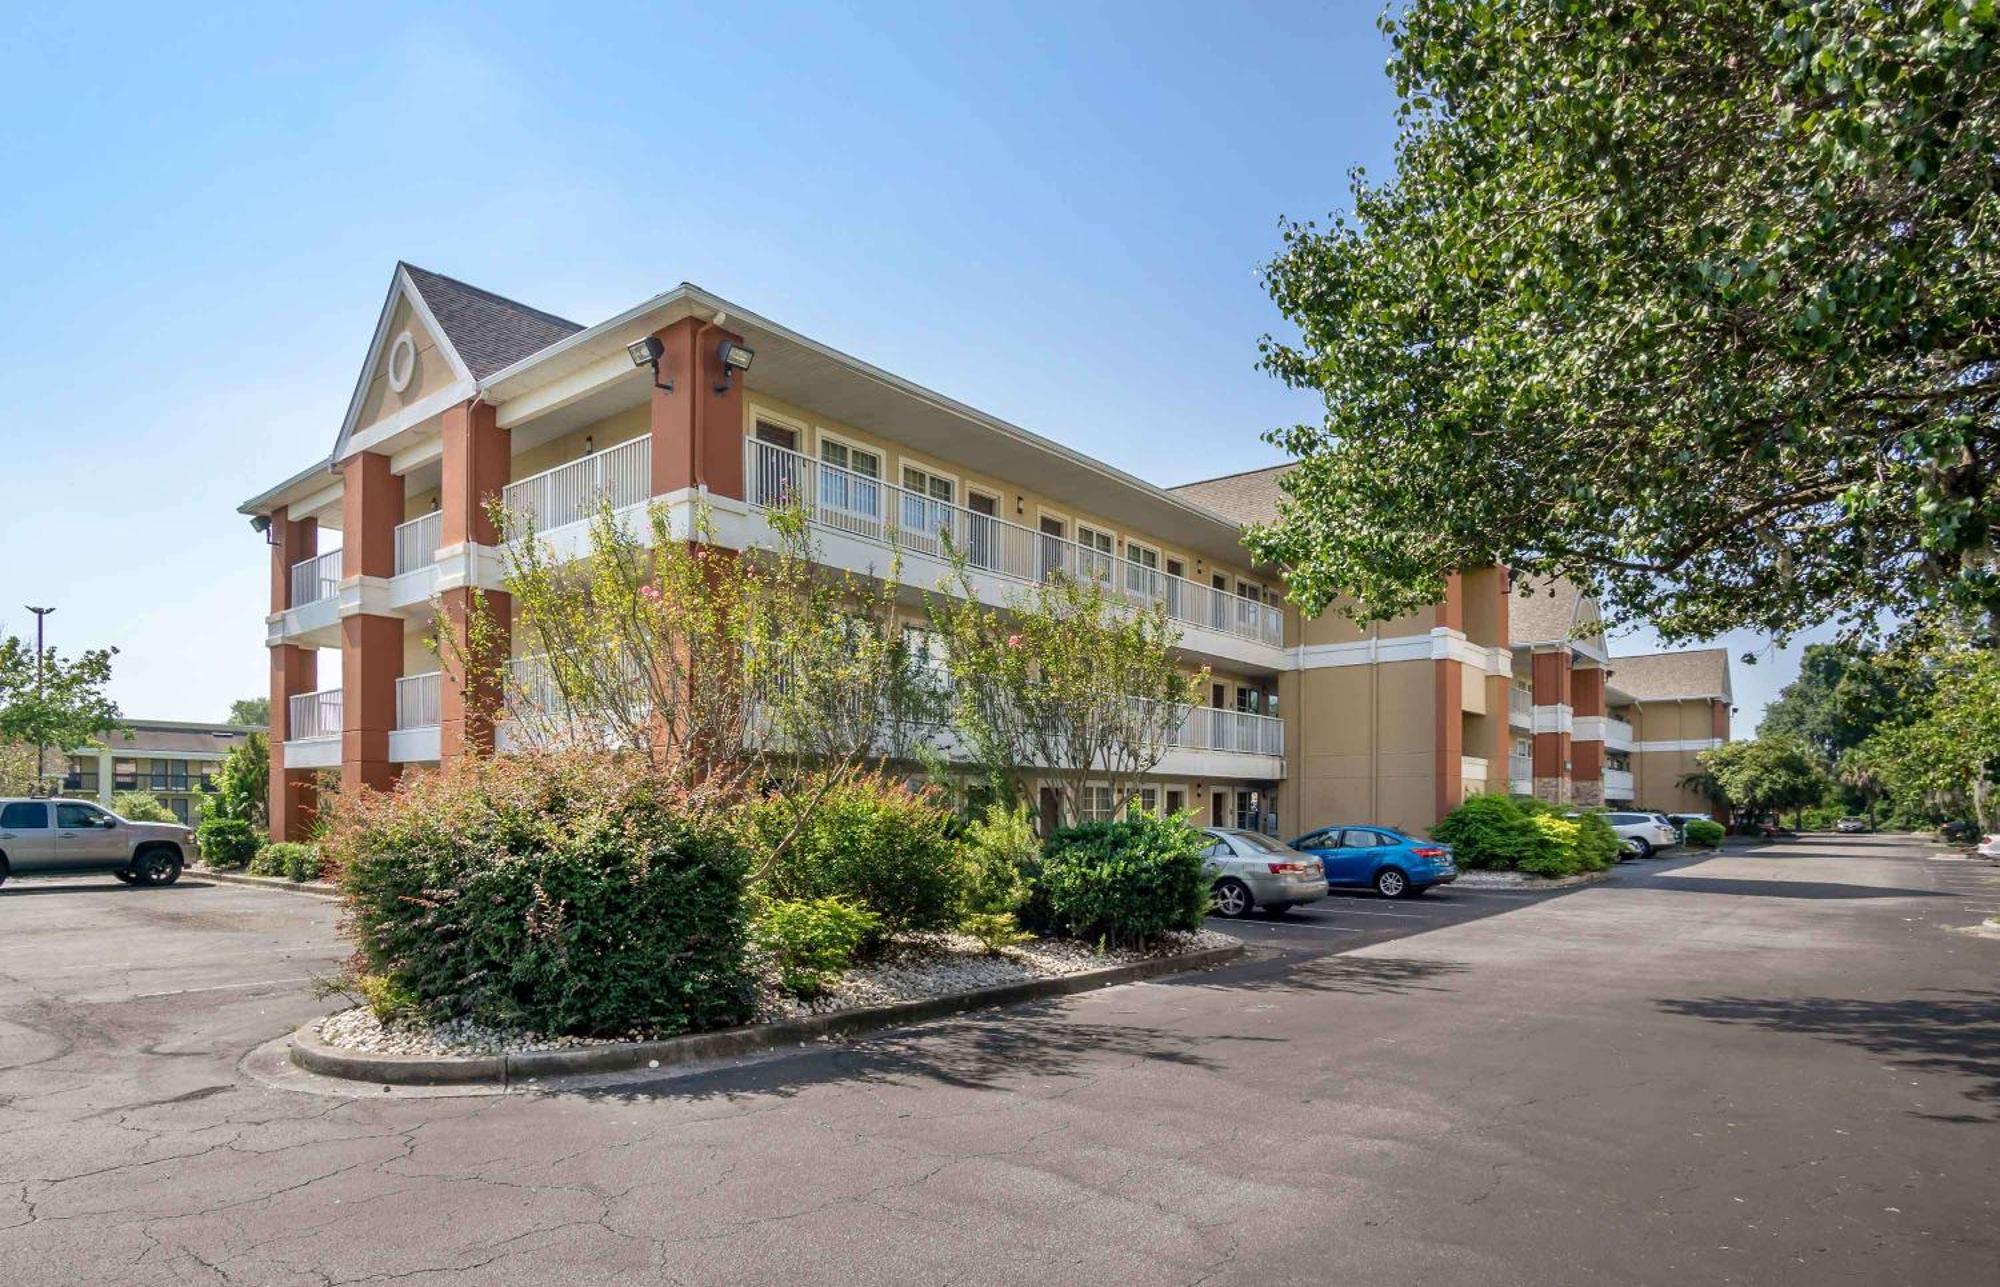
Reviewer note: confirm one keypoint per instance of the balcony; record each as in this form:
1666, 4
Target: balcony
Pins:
573, 493
1210, 728
1618, 785
1616, 734
881, 513
1521, 774
1520, 707
417, 543
316, 579
312, 730
418, 715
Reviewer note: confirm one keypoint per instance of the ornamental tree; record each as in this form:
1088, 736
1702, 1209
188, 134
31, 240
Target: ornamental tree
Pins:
1768, 775
53, 704
1696, 302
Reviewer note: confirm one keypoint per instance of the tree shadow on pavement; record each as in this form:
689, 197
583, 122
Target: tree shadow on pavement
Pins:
1807, 889
990, 1051
1955, 1032
1352, 975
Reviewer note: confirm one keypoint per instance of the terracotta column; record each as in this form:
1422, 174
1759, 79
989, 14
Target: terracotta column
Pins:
1551, 672
697, 431
478, 463
1449, 705
371, 644
1586, 686
293, 670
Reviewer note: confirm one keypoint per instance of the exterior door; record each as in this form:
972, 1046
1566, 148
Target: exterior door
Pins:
983, 534
1054, 535
1176, 801
86, 837
1218, 810
1176, 598
25, 835
777, 474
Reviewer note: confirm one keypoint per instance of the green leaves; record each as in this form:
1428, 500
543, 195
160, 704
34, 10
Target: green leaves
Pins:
1696, 303
56, 703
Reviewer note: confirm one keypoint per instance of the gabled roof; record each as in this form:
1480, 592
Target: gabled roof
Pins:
1545, 612
487, 331
1662, 676
1249, 497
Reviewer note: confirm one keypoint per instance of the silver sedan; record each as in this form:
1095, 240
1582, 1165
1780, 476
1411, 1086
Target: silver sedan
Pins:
1256, 872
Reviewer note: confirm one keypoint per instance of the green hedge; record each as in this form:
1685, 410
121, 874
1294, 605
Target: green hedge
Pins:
226, 842
810, 942
1517, 833
288, 859
1701, 831
141, 806
871, 841
1121, 883
559, 893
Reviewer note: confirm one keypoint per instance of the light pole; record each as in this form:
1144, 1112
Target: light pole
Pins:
41, 747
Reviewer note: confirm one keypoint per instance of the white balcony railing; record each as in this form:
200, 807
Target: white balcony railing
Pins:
1617, 784
417, 542
1471, 769
316, 578
311, 715
622, 475
417, 701
1520, 705
1521, 768
1211, 728
875, 510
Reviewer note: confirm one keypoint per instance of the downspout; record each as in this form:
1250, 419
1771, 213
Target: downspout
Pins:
1375, 721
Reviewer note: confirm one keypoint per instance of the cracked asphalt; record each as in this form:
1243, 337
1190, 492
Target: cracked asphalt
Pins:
1779, 1066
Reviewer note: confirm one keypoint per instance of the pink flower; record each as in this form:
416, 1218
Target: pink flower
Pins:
650, 592
1013, 641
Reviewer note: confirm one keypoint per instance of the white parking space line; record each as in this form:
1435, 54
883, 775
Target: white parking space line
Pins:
1337, 909
1301, 925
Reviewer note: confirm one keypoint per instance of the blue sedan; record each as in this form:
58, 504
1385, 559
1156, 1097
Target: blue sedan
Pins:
1394, 865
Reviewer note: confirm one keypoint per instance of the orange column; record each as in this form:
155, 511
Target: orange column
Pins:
1586, 686
1449, 705
1551, 675
478, 460
371, 645
698, 428
293, 670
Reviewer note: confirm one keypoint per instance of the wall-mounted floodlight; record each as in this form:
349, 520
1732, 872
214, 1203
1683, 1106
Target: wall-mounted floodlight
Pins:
734, 357
261, 525
647, 353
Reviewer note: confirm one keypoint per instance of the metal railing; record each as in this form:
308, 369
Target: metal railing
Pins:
417, 542
1520, 768
622, 475
1211, 728
1520, 703
311, 715
875, 510
1618, 783
418, 701
316, 578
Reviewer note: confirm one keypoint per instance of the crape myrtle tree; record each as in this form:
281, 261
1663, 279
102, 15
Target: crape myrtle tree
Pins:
50, 706
723, 671
1696, 302
1768, 775
1065, 684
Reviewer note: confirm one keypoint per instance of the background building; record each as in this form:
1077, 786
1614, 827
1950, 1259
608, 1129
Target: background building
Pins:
173, 760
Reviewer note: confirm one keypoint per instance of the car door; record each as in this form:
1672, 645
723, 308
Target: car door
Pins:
1362, 852
86, 838
1320, 844
1337, 862
24, 835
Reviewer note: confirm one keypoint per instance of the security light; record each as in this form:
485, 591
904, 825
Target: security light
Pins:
261, 525
734, 357
646, 352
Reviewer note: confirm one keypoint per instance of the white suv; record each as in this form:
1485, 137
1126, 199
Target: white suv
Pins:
1642, 833
71, 837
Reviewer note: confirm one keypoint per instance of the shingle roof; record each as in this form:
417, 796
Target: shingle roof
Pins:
489, 331
1542, 612
1657, 676
1249, 497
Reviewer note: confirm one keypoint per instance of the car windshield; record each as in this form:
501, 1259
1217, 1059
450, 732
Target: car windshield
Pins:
1251, 840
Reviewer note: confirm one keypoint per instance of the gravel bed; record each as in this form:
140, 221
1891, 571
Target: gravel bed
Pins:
913, 969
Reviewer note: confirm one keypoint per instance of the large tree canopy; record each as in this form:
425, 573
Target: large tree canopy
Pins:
1695, 301
1843, 694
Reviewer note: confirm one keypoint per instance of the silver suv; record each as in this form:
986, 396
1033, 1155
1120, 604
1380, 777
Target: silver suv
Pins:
71, 837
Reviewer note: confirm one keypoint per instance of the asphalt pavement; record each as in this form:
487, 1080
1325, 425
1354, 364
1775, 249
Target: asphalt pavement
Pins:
1779, 1066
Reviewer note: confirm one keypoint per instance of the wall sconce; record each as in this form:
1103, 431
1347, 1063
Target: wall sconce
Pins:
1020, 505
647, 353
734, 357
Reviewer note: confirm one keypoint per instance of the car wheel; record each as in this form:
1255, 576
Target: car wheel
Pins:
3, 871
1392, 883
1642, 847
1231, 899
157, 867
126, 877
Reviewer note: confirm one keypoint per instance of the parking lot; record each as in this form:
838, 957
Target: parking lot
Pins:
1774, 1067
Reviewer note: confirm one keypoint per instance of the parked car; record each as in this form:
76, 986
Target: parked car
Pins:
72, 837
1642, 833
1990, 847
1393, 864
1851, 826
1254, 872
1960, 831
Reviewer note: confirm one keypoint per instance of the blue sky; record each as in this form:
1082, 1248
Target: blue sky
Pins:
1055, 212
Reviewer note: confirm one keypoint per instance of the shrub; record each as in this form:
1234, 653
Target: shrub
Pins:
1000, 847
562, 893
996, 931
141, 806
1490, 832
386, 999
1597, 845
811, 941
1707, 834
1122, 882
872, 841
226, 842
1555, 851
288, 859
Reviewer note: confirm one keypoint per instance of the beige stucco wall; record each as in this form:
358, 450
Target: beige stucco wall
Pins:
432, 374
1361, 745
621, 426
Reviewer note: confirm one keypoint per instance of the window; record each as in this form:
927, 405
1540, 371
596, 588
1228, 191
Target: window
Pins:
177, 775
78, 815
1361, 838
1248, 700
850, 484
179, 806
1094, 552
1144, 800
125, 775
1317, 840
1251, 843
1096, 803
24, 815
927, 502
1249, 811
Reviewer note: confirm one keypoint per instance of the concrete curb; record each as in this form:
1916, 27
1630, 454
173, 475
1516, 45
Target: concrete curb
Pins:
1515, 880
315, 1055
311, 888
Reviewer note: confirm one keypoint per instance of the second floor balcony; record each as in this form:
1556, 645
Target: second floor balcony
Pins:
882, 513
316, 578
